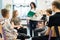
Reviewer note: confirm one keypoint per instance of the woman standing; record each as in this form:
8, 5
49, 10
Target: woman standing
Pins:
33, 18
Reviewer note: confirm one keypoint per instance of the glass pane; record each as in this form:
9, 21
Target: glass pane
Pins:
22, 7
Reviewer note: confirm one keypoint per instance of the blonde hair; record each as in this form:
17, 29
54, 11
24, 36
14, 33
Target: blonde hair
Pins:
14, 13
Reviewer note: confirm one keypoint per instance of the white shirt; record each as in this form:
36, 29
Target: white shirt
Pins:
48, 18
36, 17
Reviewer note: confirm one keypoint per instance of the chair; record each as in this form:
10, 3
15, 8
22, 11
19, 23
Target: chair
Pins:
53, 31
1, 33
53, 35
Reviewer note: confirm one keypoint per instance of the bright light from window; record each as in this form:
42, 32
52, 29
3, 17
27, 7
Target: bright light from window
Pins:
22, 6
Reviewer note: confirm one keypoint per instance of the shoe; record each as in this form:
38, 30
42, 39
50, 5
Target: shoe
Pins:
22, 35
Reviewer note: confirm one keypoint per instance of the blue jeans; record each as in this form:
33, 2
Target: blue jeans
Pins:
32, 26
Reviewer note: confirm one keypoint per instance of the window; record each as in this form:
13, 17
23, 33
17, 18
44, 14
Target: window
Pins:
23, 6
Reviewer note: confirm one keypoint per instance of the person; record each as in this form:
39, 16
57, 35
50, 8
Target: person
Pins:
54, 20
33, 17
9, 33
16, 22
41, 27
48, 13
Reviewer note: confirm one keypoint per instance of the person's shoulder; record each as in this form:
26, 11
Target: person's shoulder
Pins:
55, 15
18, 17
12, 18
1, 20
52, 16
37, 9
4, 20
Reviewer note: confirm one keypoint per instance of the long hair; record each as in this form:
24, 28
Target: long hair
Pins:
14, 13
33, 5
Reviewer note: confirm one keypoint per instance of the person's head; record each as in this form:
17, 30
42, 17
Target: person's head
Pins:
44, 18
48, 12
33, 5
5, 13
55, 6
41, 23
15, 13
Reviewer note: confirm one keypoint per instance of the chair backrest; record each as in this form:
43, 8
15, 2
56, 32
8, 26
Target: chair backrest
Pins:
4, 33
1, 33
1, 29
53, 32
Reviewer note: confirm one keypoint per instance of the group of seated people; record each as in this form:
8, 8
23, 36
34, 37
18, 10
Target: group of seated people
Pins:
13, 30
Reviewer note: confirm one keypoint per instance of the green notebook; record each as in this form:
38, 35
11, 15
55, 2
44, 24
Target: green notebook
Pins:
30, 14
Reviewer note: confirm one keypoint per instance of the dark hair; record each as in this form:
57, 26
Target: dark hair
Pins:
44, 18
49, 11
4, 12
33, 4
56, 4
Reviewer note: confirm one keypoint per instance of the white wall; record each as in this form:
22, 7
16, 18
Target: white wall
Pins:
0, 7
41, 4
6, 2
44, 4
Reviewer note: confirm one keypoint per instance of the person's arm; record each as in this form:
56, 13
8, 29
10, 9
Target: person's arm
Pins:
6, 27
49, 25
47, 32
44, 29
13, 30
18, 26
36, 13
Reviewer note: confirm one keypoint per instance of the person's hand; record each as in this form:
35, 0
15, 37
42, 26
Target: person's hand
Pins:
19, 26
35, 15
